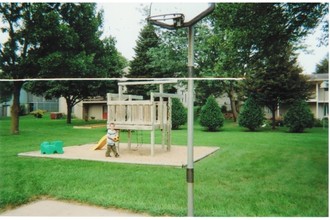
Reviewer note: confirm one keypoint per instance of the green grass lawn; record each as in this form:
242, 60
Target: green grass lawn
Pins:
264, 173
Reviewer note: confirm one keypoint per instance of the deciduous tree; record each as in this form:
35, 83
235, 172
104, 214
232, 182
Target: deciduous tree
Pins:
15, 59
259, 41
75, 51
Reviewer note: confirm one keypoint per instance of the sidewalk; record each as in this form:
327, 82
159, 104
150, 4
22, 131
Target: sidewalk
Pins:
54, 208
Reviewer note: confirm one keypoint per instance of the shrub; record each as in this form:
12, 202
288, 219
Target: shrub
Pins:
321, 122
211, 115
223, 109
38, 113
22, 110
179, 113
251, 116
299, 117
197, 111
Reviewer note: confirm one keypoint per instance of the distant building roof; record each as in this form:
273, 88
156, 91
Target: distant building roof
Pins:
319, 76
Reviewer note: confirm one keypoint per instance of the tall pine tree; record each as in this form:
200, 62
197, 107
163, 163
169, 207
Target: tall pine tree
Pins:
139, 66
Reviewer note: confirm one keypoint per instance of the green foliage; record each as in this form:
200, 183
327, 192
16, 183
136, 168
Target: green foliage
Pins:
168, 59
224, 109
277, 82
5, 91
179, 113
140, 65
251, 116
211, 116
323, 66
299, 117
76, 51
16, 52
324, 122
267, 53
22, 110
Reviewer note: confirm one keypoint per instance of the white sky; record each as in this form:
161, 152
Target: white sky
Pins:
124, 21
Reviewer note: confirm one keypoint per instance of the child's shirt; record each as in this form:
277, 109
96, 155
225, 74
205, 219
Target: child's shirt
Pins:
111, 134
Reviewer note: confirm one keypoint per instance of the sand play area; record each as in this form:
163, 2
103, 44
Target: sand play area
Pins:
138, 154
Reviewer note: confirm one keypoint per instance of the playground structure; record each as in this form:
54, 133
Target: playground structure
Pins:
131, 112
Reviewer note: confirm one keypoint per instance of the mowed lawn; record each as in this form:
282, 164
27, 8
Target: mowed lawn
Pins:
264, 173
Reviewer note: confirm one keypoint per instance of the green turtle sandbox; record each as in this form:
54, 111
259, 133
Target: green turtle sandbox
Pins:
51, 147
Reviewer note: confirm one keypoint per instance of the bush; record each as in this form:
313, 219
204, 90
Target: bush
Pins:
197, 111
223, 109
299, 117
179, 113
22, 110
211, 115
38, 113
321, 122
251, 116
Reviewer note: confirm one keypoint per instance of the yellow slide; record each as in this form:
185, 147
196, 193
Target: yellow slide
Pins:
102, 142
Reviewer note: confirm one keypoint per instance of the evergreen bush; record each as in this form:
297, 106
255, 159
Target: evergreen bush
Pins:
251, 116
211, 115
299, 117
179, 113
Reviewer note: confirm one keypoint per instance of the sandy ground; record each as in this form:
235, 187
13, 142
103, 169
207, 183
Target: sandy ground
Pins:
177, 156
53, 208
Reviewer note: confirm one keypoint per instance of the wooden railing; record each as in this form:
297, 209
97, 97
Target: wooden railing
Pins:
136, 114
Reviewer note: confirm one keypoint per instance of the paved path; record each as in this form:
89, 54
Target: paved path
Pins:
50, 207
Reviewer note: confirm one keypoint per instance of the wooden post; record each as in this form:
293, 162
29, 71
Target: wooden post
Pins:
169, 123
153, 118
118, 130
120, 92
161, 115
129, 137
108, 104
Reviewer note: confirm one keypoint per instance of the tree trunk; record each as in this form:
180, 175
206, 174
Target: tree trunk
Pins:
273, 119
232, 104
69, 110
15, 108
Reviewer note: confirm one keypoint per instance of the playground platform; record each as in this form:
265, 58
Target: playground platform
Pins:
176, 157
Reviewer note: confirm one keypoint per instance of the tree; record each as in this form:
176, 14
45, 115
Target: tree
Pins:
139, 66
323, 66
5, 91
15, 59
277, 82
262, 51
75, 52
251, 115
211, 115
299, 117
169, 57
179, 113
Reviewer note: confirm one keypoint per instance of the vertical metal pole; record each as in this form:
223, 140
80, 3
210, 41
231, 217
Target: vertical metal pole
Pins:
190, 156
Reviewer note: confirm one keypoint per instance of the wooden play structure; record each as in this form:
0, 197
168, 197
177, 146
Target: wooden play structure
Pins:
130, 112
